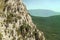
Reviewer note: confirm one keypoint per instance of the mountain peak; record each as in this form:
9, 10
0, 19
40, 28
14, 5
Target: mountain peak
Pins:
16, 23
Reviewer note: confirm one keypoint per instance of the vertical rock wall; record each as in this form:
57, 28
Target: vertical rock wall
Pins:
16, 23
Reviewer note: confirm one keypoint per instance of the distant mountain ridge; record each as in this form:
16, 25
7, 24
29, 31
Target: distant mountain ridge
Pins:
43, 12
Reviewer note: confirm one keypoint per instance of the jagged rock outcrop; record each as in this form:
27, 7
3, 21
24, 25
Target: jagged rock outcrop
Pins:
16, 23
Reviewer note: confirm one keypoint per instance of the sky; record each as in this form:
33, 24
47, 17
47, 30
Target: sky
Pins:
43, 4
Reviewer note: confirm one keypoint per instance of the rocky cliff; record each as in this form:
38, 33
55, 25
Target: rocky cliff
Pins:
16, 23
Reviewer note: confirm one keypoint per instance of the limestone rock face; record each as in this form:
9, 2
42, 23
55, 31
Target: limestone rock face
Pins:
16, 23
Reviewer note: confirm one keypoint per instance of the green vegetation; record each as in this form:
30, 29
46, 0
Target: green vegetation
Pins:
0, 36
24, 29
1, 4
49, 25
9, 18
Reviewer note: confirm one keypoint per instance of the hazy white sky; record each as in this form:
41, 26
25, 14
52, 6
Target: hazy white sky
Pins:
43, 4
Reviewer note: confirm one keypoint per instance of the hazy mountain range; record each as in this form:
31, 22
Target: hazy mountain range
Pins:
48, 21
43, 12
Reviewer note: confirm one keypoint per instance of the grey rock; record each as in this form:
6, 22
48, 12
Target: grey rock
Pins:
16, 23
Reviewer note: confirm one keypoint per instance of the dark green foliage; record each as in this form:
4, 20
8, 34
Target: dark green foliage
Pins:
18, 39
6, 1
36, 35
1, 36
24, 29
9, 17
13, 38
49, 25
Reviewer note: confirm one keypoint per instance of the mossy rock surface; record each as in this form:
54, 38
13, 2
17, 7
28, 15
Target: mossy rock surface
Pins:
0, 36
1, 4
